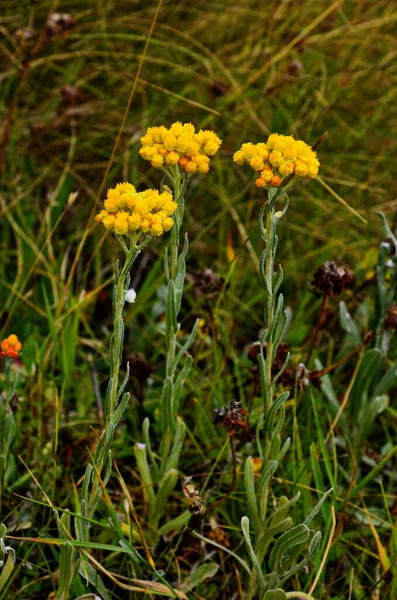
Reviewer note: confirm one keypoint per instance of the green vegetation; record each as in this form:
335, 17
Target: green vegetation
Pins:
77, 93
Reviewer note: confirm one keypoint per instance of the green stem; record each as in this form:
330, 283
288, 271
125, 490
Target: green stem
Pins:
268, 400
269, 271
178, 182
116, 348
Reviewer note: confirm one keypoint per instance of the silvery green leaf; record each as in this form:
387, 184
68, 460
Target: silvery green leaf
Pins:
199, 575
87, 571
167, 405
348, 324
245, 526
118, 413
316, 509
277, 594
284, 449
282, 509
173, 458
66, 570
86, 482
250, 492
187, 344
166, 486
125, 381
7, 567
285, 544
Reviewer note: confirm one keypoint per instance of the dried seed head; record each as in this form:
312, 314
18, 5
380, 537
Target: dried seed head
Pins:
302, 376
195, 503
140, 368
295, 67
219, 536
391, 318
206, 284
253, 351
70, 95
59, 24
330, 279
233, 417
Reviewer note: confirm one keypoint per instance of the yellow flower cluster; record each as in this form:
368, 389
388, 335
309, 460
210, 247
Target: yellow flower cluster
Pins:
180, 145
128, 211
278, 158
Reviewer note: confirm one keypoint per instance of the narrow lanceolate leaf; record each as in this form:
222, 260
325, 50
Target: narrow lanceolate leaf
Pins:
118, 413
251, 493
316, 509
285, 544
7, 568
282, 509
66, 570
277, 594
348, 324
245, 526
199, 575
167, 407
170, 310
166, 487
176, 449
268, 427
187, 344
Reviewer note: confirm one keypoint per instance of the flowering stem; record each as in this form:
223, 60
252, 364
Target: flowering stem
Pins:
7, 423
175, 274
269, 271
114, 392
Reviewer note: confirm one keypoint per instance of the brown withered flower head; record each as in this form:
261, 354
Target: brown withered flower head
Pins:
195, 503
206, 284
70, 95
59, 24
330, 279
232, 417
391, 318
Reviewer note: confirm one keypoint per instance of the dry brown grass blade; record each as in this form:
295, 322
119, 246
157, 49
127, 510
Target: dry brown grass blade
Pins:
145, 586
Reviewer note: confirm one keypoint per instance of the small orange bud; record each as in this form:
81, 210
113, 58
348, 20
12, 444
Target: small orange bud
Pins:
275, 181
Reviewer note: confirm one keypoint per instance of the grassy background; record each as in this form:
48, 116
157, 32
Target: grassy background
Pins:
245, 70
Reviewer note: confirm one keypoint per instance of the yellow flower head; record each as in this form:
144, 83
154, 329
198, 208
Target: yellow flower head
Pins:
10, 347
128, 211
280, 157
180, 145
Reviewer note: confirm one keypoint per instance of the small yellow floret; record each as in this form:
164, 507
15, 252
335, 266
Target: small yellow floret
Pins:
191, 167
172, 158
286, 168
257, 163
301, 170
157, 161
239, 157
276, 158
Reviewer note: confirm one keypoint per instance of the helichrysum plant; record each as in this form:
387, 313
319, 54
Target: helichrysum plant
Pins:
10, 349
281, 163
136, 218
179, 152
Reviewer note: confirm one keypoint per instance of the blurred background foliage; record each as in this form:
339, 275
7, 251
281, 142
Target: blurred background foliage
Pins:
243, 69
